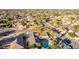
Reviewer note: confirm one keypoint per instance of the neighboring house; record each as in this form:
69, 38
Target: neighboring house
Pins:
2, 25
16, 42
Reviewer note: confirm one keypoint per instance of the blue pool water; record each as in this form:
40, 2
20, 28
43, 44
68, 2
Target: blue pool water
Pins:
45, 43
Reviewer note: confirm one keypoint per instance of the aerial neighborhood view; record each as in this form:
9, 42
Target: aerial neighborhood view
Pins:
39, 29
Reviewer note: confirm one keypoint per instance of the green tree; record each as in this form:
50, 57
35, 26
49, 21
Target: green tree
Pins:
72, 34
75, 26
32, 46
